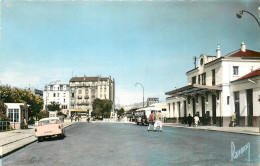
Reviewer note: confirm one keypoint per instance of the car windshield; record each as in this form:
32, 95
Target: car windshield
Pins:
50, 121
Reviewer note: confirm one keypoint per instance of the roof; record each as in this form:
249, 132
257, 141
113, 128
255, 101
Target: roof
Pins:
242, 54
81, 79
250, 75
236, 53
191, 89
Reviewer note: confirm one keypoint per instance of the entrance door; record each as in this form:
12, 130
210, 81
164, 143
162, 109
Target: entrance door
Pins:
194, 106
249, 98
185, 109
203, 106
214, 100
237, 107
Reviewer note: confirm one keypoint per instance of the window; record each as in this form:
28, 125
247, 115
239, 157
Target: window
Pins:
193, 80
64, 94
10, 114
235, 70
72, 94
64, 100
53, 94
16, 115
13, 115
203, 79
228, 97
213, 77
198, 79
58, 94
80, 91
58, 88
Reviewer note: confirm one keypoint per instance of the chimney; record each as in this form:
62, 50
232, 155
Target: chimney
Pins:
243, 47
218, 51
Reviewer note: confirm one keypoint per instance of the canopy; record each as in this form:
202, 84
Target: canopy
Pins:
192, 90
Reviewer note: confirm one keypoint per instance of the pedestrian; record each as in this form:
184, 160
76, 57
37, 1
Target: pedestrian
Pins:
233, 119
196, 120
189, 120
158, 121
151, 120
71, 118
88, 119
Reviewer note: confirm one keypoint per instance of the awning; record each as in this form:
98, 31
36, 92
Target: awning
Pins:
79, 110
193, 90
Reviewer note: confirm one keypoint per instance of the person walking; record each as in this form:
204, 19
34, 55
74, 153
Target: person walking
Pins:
189, 120
196, 120
158, 121
233, 119
151, 120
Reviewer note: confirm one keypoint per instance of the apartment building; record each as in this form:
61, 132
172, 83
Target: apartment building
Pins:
209, 91
58, 93
84, 90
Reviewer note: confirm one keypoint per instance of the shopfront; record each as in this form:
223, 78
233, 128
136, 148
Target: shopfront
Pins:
18, 114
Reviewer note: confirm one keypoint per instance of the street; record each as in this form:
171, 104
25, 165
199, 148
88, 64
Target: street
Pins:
130, 144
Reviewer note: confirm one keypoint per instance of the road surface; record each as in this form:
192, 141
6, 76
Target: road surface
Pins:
128, 144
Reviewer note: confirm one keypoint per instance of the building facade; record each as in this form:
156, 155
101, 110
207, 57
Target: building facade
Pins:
58, 93
208, 93
245, 99
152, 100
84, 90
18, 114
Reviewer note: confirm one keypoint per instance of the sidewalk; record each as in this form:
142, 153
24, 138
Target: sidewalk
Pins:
239, 130
16, 139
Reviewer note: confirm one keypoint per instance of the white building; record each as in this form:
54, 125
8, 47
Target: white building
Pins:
245, 98
84, 90
208, 92
18, 114
58, 93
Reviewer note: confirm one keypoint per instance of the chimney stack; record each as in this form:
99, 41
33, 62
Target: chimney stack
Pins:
243, 47
218, 51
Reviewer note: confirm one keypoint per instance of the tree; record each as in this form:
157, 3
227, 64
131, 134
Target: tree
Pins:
16, 95
54, 106
102, 108
3, 108
120, 112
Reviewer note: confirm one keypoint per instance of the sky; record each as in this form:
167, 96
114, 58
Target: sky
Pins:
151, 42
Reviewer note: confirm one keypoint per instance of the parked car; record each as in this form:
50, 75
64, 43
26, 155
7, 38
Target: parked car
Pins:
49, 127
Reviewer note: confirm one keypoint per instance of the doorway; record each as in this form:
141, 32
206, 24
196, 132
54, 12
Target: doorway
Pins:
249, 99
214, 103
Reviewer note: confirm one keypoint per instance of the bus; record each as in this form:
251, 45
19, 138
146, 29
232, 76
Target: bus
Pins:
142, 115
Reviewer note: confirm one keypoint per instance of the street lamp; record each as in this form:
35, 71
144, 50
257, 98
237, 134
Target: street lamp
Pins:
143, 91
239, 15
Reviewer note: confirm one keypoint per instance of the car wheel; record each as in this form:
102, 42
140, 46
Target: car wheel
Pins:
39, 139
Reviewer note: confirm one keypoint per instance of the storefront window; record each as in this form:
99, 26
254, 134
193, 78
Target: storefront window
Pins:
16, 115
10, 114
13, 115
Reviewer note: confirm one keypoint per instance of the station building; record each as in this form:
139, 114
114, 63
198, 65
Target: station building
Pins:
216, 90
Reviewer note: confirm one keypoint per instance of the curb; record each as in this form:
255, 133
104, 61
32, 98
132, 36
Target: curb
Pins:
235, 132
24, 145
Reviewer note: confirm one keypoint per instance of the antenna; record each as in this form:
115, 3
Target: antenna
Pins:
195, 60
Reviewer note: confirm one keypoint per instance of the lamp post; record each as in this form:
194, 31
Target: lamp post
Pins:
143, 91
239, 15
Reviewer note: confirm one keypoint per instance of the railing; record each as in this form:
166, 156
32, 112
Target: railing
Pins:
5, 126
